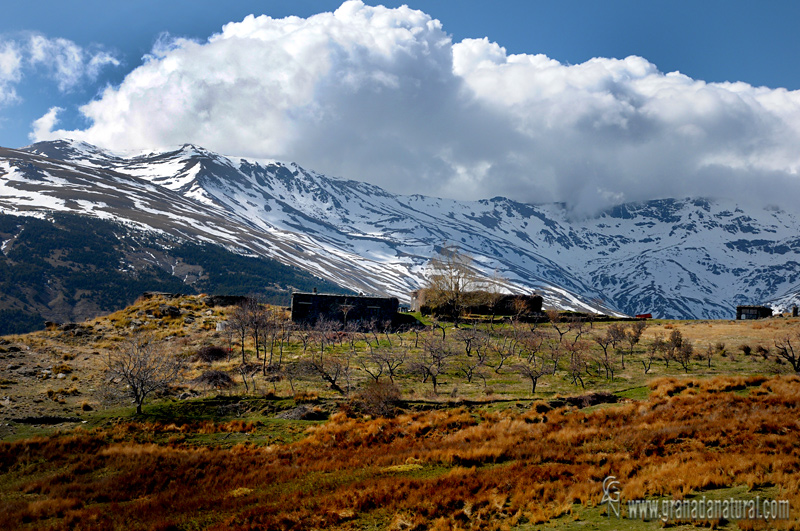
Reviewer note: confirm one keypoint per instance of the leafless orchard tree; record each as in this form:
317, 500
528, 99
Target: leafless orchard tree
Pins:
333, 369
451, 282
472, 365
616, 333
709, 355
634, 335
556, 323
433, 360
240, 323
372, 365
656, 346
577, 325
606, 360
532, 369
250, 370
530, 343
684, 353
470, 336
140, 367
392, 359
554, 352
603, 341
577, 365
671, 346
503, 350
787, 350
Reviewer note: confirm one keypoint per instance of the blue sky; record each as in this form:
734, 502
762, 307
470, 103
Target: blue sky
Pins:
713, 41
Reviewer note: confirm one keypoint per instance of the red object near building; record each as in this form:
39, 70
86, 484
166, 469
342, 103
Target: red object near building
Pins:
645, 316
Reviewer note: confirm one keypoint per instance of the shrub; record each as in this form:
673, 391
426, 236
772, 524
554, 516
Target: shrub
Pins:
215, 379
763, 351
378, 399
746, 349
304, 396
62, 368
211, 353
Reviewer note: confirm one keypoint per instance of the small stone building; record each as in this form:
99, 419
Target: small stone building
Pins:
310, 307
753, 312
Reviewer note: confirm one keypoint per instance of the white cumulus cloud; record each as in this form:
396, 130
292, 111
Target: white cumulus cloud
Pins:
385, 96
60, 60
10, 70
66, 62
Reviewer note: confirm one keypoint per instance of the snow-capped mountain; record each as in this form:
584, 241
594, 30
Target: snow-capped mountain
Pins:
687, 258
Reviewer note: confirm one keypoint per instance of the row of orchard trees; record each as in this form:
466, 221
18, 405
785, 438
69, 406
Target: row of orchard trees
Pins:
342, 358
340, 355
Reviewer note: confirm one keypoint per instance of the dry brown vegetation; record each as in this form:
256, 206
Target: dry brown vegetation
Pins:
446, 469
501, 448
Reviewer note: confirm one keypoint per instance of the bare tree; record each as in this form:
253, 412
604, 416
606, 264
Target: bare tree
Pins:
577, 359
372, 365
532, 370
331, 368
577, 365
554, 353
140, 366
656, 346
451, 282
577, 325
684, 353
256, 320
603, 341
616, 333
269, 330
392, 359
504, 350
671, 346
709, 355
471, 337
788, 352
240, 322
293, 371
471, 366
555, 322
634, 334
531, 343
245, 370
432, 361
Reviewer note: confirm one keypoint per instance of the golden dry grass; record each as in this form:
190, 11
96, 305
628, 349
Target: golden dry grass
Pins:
449, 469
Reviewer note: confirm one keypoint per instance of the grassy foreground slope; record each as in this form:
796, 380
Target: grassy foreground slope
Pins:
457, 468
479, 454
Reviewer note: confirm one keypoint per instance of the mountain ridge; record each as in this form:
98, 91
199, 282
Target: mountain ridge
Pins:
674, 258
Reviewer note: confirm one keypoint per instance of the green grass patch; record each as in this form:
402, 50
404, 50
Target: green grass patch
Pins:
634, 393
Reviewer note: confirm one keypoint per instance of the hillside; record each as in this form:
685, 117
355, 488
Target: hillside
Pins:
69, 268
473, 454
674, 258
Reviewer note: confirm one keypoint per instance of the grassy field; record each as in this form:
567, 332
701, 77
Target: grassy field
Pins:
295, 453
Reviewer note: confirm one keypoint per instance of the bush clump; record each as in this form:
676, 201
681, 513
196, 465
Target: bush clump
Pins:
215, 380
378, 399
211, 354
